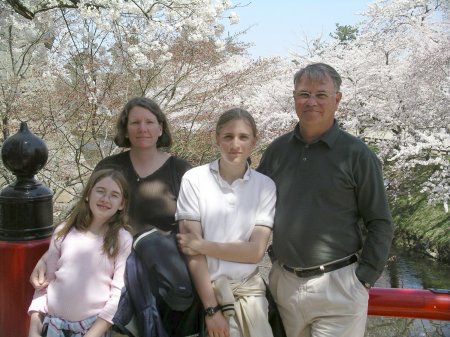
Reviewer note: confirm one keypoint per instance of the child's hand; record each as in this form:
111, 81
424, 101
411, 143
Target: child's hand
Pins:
190, 244
38, 278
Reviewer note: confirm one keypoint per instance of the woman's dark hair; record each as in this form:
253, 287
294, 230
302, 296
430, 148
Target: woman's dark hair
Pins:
121, 139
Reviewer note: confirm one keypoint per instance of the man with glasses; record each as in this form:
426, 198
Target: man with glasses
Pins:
333, 228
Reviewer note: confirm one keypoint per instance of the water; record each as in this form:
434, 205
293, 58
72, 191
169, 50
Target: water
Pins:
410, 270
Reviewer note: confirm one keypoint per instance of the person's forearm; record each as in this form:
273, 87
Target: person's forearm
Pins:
243, 252
375, 250
198, 266
44, 257
251, 251
217, 324
200, 276
42, 262
35, 324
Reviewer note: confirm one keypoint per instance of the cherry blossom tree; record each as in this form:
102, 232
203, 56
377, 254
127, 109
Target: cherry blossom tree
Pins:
396, 87
68, 66
82, 60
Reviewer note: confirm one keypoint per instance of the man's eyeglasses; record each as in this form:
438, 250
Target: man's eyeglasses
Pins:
318, 96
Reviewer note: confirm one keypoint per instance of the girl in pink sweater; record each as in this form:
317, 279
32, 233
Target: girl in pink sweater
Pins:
86, 263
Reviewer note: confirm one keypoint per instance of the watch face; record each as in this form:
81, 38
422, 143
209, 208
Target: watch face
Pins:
210, 311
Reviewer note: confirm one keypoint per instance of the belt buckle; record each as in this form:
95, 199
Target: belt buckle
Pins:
309, 272
314, 272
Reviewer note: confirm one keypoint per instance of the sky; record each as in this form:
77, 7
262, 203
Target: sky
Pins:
278, 27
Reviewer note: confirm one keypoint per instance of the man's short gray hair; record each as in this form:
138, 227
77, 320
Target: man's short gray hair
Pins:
318, 72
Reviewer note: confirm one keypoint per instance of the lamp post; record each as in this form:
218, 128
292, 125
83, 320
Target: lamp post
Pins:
26, 216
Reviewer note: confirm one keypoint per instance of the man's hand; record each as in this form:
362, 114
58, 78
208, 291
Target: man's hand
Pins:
217, 325
190, 244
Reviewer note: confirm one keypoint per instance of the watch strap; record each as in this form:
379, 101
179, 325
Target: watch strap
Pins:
210, 311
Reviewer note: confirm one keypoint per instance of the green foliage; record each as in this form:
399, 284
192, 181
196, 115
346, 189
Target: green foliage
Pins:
344, 33
420, 226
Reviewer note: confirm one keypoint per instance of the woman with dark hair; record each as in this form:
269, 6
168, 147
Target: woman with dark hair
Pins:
154, 177
121, 139
153, 174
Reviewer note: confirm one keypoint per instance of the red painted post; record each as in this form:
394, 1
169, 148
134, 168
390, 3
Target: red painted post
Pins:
17, 260
26, 216
412, 303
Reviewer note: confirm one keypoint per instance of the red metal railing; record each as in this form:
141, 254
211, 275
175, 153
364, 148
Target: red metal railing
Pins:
413, 303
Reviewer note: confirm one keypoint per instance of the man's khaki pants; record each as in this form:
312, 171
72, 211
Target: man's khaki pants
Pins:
333, 304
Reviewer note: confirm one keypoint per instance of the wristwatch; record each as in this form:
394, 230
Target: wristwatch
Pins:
210, 311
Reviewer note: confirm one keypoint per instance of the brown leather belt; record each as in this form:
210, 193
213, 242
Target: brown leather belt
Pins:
322, 269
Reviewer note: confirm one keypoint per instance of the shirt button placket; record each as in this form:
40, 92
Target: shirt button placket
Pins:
305, 153
231, 198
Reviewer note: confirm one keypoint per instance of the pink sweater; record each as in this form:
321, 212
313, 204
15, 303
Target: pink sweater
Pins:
83, 281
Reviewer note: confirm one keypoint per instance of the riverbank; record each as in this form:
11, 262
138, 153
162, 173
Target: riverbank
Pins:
419, 226
422, 227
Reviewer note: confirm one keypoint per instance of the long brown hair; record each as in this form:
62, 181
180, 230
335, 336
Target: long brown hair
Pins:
81, 215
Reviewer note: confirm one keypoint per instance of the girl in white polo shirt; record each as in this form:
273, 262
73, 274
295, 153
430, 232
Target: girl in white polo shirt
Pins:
226, 210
